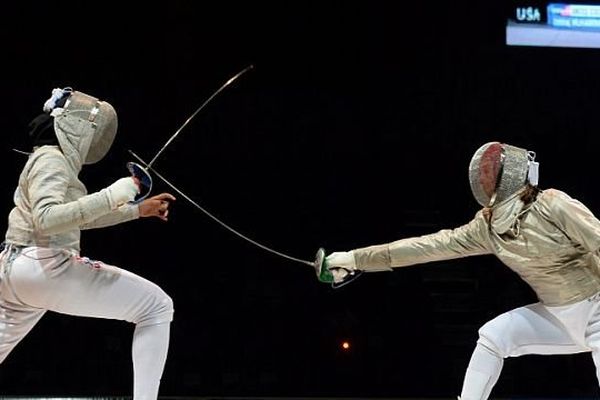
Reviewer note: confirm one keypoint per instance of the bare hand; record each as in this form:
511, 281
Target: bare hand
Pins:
156, 206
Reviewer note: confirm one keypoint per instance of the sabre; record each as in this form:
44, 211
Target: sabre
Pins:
233, 78
323, 274
141, 172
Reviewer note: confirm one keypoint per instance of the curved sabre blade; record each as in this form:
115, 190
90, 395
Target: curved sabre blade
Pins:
197, 111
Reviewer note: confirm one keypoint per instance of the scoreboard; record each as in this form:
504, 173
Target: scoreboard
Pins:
554, 24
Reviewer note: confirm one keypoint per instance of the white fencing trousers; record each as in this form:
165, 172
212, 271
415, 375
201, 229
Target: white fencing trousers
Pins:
533, 329
41, 279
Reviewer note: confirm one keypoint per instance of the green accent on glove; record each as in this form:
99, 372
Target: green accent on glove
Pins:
320, 264
325, 274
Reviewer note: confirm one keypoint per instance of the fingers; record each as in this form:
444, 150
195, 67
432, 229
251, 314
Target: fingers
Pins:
164, 196
163, 215
163, 206
336, 258
339, 275
163, 210
157, 206
341, 259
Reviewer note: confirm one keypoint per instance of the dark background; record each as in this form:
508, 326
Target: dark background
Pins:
355, 127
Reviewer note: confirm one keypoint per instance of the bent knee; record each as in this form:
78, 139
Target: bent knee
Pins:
166, 306
159, 309
495, 336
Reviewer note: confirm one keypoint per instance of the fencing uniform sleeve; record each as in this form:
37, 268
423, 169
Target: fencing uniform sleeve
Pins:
48, 182
467, 240
122, 214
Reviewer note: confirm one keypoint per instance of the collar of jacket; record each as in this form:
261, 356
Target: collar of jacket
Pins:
506, 215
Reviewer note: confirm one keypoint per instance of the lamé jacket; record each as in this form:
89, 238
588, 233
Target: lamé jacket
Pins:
552, 244
51, 204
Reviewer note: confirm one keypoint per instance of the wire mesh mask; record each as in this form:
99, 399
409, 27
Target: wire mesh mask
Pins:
103, 118
498, 170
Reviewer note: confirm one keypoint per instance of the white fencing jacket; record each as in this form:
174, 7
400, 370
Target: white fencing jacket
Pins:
51, 203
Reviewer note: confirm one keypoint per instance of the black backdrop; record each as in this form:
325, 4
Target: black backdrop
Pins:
355, 127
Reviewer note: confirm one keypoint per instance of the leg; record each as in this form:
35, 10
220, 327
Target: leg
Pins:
50, 279
16, 321
592, 338
525, 330
149, 351
482, 373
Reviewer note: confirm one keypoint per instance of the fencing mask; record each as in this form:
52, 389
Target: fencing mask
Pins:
498, 170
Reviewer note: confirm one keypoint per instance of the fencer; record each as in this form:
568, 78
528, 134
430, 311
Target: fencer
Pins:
548, 238
42, 268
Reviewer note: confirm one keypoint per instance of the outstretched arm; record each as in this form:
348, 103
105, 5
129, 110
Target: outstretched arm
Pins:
467, 240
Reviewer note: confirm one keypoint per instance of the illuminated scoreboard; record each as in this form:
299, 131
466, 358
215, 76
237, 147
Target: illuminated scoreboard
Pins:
574, 16
554, 25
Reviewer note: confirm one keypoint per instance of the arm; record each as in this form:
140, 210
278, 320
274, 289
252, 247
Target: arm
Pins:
155, 206
122, 214
48, 181
446, 244
467, 240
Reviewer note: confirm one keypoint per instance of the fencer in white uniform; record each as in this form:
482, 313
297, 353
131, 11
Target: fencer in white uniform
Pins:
551, 240
41, 267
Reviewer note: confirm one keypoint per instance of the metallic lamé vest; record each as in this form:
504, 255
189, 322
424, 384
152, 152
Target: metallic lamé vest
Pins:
552, 244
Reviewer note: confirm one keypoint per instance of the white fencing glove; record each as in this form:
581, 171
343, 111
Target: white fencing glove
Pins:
340, 264
122, 191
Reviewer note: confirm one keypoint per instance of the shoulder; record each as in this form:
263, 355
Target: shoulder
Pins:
553, 197
47, 158
554, 201
553, 194
47, 153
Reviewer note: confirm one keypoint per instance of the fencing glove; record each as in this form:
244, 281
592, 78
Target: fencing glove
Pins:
340, 264
122, 191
